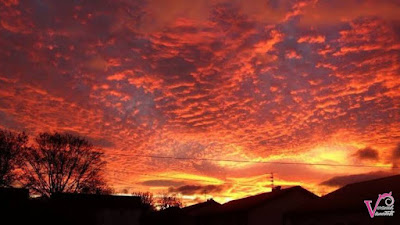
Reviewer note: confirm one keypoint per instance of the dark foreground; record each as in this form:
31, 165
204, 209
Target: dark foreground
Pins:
290, 206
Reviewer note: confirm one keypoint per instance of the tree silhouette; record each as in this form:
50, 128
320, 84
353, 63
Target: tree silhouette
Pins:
11, 146
63, 163
96, 186
168, 201
146, 198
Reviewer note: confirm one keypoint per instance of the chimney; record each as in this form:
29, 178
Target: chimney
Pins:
277, 188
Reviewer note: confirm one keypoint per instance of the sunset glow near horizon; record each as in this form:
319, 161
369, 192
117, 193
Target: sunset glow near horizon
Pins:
216, 90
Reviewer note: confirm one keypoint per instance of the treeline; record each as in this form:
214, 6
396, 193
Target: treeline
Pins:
52, 163
163, 201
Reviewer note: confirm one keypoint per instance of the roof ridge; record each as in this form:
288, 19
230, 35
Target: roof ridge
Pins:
369, 181
266, 193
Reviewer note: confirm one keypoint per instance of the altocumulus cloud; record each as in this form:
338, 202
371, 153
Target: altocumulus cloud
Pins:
367, 153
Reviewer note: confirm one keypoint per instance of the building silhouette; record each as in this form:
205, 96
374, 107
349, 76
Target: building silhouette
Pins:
345, 206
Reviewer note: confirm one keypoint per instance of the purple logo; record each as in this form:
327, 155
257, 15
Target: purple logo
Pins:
378, 210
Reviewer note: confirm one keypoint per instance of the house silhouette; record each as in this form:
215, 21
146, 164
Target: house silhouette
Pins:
265, 208
345, 206
203, 208
14, 206
69, 209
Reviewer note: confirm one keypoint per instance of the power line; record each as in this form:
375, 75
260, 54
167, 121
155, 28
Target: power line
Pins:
265, 162
240, 161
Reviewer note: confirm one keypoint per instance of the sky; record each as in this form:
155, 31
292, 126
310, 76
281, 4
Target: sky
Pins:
221, 88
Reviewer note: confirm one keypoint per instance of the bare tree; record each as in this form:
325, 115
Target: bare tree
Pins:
63, 163
146, 198
168, 201
11, 146
96, 186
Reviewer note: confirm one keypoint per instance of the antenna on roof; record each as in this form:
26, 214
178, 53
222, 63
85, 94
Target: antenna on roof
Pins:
272, 181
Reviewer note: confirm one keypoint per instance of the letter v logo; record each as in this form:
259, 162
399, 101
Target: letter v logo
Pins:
368, 204
380, 197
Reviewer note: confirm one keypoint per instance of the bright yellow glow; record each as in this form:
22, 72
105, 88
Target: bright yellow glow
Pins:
187, 176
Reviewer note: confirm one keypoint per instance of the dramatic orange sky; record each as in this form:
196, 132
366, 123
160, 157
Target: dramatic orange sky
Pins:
309, 81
